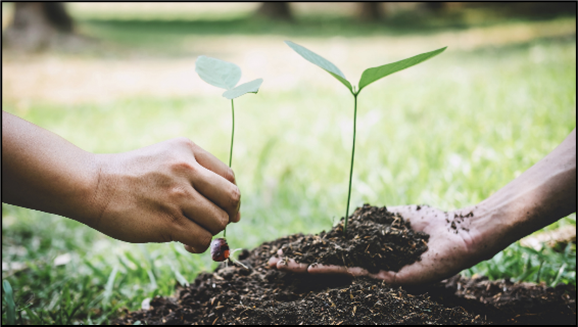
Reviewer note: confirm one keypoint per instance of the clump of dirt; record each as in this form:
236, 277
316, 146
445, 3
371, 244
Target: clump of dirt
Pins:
376, 239
259, 295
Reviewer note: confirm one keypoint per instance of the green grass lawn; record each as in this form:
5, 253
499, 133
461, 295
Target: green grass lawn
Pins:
447, 133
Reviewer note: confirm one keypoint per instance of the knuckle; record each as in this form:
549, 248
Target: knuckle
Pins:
178, 193
222, 221
235, 197
184, 141
229, 175
181, 166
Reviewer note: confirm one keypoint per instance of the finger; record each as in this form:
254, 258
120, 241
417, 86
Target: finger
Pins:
237, 217
390, 277
218, 190
291, 265
285, 264
211, 162
195, 238
273, 262
333, 269
203, 212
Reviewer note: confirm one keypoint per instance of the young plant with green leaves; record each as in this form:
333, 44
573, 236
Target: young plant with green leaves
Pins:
226, 75
369, 76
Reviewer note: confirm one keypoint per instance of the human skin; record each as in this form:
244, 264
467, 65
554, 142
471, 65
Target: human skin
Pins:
541, 195
169, 191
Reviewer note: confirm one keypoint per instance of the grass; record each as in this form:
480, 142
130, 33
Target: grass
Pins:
447, 134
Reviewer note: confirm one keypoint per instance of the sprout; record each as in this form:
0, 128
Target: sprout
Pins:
369, 76
226, 75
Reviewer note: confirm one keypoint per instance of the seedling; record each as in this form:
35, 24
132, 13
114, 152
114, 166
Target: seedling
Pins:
220, 252
226, 75
369, 76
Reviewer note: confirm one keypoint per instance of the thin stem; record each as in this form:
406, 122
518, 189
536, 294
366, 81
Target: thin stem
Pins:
232, 133
351, 168
231, 151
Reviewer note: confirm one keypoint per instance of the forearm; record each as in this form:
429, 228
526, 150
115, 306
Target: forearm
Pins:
43, 171
543, 194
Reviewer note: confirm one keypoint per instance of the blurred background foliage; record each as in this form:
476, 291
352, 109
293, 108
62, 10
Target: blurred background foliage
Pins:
112, 77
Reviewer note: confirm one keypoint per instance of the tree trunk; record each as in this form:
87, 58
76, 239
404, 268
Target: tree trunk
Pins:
36, 25
275, 10
370, 12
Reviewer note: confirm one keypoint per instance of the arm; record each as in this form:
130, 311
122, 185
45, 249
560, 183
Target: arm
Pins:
543, 194
172, 190
540, 196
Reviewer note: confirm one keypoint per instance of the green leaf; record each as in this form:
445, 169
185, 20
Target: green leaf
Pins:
371, 75
180, 278
249, 87
10, 306
321, 62
109, 286
217, 72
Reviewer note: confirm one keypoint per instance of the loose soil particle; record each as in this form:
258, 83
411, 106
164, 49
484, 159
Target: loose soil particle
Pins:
259, 295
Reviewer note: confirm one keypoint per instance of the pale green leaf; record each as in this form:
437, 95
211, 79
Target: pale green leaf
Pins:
218, 72
10, 306
371, 75
249, 87
109, 285
321, 62
180, 278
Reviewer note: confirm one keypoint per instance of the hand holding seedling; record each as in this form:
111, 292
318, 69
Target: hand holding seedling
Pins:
459, 239
170, 191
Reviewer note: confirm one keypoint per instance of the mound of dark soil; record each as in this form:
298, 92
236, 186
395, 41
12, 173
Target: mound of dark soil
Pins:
259, 295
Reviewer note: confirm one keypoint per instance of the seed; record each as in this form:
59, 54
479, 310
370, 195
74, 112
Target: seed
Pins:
219, 249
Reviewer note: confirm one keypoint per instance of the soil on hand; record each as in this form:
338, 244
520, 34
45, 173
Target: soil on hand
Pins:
376, 239
259, 295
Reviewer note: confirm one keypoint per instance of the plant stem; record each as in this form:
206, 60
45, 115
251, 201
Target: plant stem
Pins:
352, 156
231, 151
232, 133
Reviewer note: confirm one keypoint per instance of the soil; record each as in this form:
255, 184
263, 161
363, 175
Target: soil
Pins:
376, 239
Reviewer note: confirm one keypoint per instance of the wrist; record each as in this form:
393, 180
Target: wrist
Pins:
77, 200
488, 229
99, 192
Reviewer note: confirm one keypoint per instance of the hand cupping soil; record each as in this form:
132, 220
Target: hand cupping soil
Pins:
376, 239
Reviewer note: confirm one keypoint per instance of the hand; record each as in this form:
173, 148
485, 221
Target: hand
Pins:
170, 191
449, 249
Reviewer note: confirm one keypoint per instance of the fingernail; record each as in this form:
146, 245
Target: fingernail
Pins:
239, 204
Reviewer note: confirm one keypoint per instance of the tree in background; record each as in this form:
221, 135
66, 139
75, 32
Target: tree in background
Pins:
370, 11
37, 25
275, 10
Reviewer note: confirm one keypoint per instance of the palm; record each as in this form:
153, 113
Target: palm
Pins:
449, 249
448, 246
